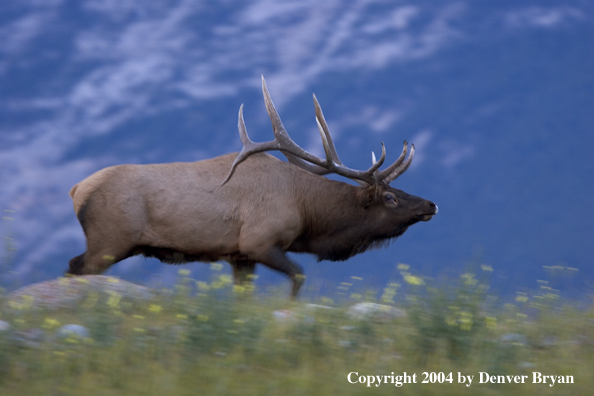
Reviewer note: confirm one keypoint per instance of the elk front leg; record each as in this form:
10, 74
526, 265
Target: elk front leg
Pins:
276, 259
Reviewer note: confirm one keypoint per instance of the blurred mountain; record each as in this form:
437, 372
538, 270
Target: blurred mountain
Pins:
496, 96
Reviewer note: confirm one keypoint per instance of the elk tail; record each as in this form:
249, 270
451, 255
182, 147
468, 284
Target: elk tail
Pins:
73, 190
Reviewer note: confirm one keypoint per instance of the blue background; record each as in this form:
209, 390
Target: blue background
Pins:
497, 97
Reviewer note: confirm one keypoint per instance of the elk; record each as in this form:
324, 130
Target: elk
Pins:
245, 208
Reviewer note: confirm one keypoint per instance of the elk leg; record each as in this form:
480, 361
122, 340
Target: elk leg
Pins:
76, 265
242, 270
96, 261
276, 259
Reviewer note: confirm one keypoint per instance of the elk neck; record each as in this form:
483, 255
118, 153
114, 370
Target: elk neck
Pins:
335, 220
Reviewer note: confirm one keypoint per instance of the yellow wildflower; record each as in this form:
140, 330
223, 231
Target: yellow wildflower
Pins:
238, 289
413, 280
155, 308
469, 279
50, 323
114, 299
465, 321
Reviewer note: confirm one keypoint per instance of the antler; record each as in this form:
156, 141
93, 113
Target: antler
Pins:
398, 167
298, 156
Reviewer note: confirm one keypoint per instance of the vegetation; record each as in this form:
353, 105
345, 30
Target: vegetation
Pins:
215, 338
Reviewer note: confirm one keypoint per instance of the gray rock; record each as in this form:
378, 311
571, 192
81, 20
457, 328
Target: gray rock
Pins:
4, 326
317, 306
73, 331
30, 338
283, 315
375, 311
514, 338
72, 291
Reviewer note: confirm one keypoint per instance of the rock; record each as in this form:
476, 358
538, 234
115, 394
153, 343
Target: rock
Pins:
71, 291
4, 326
514, 338
73, 331
317, 306
375, 311
283, 315
31, 338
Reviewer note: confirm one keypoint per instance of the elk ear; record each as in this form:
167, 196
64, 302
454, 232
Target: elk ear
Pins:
367, 195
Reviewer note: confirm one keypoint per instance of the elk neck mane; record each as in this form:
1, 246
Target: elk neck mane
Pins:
339, 221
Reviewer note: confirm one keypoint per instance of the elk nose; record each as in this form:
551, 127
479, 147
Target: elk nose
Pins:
434, 207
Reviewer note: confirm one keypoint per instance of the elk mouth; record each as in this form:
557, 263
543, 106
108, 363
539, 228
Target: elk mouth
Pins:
425, 217
428, 216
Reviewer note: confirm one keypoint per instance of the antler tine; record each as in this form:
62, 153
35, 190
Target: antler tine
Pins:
298, 155
249, 147
381, 175
329, 148
402, 168
332, 159
284, 141
332, 162
376, 164
331, 155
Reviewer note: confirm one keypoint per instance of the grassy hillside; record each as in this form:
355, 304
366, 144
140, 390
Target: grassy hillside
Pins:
214, 338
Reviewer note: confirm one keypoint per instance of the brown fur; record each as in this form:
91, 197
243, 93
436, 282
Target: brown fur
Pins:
179, 212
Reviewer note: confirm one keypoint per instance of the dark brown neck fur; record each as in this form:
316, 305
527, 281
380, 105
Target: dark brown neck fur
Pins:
341, 228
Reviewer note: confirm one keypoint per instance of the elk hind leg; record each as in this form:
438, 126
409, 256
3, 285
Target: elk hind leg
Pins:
76, 265
106, 245
97, 259
243, 270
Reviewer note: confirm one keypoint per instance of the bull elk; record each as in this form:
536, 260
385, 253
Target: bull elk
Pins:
244, 208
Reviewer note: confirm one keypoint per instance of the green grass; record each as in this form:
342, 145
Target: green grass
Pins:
218, 339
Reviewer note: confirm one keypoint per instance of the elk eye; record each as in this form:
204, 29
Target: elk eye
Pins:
390, 198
